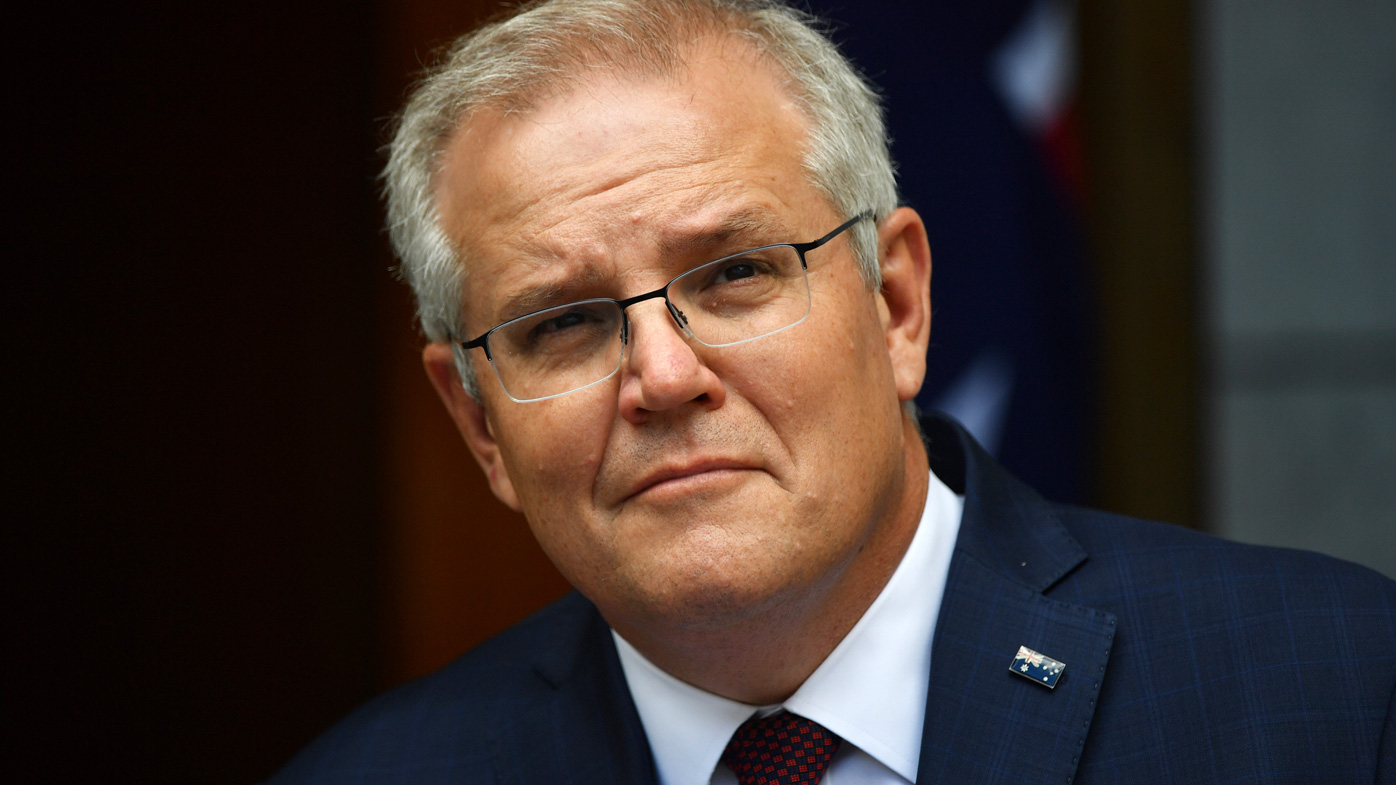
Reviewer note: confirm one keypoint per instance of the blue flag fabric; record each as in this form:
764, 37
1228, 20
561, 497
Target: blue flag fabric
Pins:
1012, 339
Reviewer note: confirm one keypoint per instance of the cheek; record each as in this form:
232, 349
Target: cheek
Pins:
552, 456
843, 353
820, 384
552, 460
845, 382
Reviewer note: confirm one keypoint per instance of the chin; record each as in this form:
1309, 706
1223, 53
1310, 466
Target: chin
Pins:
719, 570
707, 597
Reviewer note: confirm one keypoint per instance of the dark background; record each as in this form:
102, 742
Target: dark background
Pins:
239, 509
193, 342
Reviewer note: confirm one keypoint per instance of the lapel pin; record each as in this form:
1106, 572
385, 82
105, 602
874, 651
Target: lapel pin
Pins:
1037, 668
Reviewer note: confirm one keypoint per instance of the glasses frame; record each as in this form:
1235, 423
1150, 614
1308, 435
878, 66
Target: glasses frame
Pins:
483, 340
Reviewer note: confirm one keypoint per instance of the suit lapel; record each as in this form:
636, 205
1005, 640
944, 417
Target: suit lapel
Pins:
580, 725
984, 723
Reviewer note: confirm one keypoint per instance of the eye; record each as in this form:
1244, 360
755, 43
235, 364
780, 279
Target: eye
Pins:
740, 272
740, 281
561, 322
567, 328
735, 270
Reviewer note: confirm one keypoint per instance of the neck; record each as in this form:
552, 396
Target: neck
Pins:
764, 657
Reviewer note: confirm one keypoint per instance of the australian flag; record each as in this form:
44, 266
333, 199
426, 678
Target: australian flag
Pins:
981, 106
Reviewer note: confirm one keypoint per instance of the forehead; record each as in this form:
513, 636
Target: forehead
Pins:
595, 182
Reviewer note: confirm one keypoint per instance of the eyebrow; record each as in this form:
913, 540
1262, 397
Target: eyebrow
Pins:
755, 223
536, 298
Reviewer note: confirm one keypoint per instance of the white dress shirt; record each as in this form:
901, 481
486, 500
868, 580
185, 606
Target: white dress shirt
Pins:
870, 690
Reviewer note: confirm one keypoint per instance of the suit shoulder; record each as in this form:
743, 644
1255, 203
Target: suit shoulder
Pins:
1144, 562
1288, 655
420, 729
1107, 535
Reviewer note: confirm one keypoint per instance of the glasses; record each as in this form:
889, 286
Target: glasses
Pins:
733, 300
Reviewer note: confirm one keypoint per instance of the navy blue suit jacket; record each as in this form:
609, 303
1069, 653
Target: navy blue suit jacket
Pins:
1188, 660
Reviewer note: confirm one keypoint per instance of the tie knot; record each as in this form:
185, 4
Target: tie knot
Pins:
782, 749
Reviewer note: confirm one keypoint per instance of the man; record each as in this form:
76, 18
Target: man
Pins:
676, 314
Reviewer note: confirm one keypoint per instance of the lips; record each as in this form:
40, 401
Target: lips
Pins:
679, 472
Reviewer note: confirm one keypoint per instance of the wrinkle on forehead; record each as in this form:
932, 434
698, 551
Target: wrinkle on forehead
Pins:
570, 97
564, 277
619, 175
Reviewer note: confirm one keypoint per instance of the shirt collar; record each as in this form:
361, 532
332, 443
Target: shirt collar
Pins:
870, 690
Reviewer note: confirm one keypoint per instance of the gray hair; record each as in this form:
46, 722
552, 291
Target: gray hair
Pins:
548, 47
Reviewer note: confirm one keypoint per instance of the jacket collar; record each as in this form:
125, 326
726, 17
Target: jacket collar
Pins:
1016, 533
578, 724
982, 721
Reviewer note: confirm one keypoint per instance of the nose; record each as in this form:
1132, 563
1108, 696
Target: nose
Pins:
662, 371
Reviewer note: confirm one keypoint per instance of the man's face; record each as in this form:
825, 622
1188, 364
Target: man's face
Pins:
699, 485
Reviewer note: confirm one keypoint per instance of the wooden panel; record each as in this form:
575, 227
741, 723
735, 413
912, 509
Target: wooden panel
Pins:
459, 565
1137, 110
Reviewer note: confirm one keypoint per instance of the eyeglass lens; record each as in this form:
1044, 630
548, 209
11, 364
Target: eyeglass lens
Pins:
729, 301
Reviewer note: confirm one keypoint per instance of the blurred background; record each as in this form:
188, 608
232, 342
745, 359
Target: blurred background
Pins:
1165, 249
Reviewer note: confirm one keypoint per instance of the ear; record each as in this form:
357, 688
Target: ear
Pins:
471, 419
906, 294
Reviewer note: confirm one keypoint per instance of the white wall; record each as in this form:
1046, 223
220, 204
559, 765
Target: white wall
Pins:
1298, 192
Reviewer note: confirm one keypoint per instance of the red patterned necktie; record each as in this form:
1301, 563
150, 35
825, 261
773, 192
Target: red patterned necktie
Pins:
782, 749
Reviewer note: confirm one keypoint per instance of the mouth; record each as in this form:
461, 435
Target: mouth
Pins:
673, 482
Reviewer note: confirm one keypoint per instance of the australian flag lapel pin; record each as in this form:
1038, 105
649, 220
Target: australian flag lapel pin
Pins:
1037, 668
